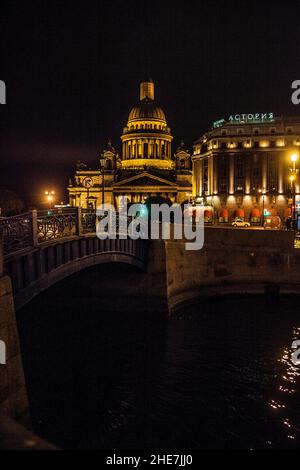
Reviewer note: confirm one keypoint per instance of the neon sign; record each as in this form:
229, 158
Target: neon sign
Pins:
251, 118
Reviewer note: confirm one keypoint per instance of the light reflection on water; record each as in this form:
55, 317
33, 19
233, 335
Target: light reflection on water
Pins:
288, 388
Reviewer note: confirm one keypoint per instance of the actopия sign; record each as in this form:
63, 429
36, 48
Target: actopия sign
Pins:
250, 118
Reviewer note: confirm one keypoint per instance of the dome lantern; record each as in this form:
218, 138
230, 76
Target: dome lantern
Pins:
147, 90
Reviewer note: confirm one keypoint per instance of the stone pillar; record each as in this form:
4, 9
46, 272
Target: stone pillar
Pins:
34, 228
150, 148
210, 174
231, 174
248, 175
264, 180
13, 395
215, 176
197, 178
280, 173
200, 187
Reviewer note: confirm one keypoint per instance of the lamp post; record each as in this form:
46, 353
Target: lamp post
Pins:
102, 168
263, 192
50, 196
213, 209
293, 175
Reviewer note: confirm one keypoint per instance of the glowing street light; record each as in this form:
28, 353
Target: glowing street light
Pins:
50, 197
294, 157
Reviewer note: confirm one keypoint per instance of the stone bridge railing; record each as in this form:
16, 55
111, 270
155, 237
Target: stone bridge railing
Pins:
42, 247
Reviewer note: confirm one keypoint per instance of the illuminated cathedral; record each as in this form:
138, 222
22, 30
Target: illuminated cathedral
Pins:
146, 168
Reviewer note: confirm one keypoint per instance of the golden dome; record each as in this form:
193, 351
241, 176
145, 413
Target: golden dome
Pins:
146, 109
147, 139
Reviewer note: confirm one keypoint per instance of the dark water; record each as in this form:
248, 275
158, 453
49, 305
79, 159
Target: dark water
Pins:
216, 375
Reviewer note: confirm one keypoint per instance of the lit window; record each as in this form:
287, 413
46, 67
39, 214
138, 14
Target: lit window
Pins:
264, 143
247, 144
232, 145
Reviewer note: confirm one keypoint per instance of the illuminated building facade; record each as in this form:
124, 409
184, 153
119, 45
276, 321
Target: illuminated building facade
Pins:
146, 167
242, 166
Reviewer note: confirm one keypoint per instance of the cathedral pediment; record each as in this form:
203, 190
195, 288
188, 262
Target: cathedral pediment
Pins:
145, 179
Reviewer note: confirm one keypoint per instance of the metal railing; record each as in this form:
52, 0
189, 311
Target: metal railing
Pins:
17, 232
37, 227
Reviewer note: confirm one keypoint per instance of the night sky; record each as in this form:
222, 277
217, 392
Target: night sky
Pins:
72, 71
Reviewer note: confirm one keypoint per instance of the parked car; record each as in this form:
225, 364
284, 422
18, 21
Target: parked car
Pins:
297, 241
273, 222
240, 223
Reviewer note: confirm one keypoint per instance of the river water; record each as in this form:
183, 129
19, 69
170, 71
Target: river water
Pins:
217, 375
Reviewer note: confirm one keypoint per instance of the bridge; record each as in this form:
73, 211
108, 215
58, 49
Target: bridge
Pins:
41, 248
37, 250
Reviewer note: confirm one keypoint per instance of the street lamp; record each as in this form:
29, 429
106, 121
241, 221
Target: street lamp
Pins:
263, 192
102, 168
50, 196
293, 176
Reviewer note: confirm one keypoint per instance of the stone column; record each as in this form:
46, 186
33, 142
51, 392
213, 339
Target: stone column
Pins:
200, 182
280, 173
231, 174
247, 174
264, 181
215, 176
210, 174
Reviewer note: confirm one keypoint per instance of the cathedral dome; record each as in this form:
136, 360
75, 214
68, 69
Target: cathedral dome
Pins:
146, 140
147, 109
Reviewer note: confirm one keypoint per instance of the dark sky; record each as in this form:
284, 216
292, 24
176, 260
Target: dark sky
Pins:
72, 71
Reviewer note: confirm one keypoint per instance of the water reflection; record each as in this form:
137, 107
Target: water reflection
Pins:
288, 387
208, 378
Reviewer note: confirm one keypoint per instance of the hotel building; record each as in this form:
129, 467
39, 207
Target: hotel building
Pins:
242, 166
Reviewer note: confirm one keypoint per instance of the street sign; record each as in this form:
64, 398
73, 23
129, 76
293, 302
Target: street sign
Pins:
88, 182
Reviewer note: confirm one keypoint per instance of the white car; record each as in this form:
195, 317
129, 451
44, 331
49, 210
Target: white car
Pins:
240, 223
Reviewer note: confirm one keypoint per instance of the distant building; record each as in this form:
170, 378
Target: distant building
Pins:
243, 164
146, 167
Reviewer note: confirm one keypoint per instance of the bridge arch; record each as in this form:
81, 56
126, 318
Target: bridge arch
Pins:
34, 270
